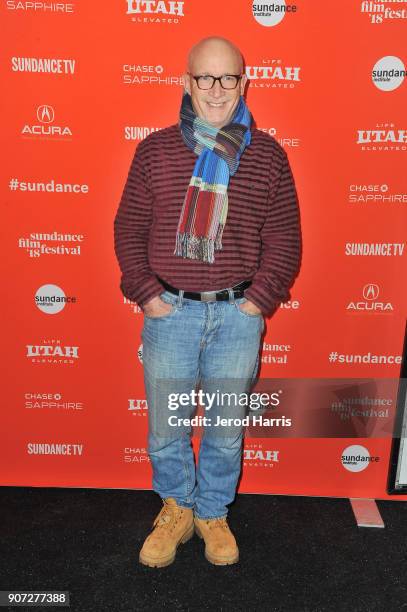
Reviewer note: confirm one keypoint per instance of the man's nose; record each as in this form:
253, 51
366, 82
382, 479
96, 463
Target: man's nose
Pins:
217, 90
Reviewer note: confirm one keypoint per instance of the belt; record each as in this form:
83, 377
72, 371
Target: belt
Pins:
209, 296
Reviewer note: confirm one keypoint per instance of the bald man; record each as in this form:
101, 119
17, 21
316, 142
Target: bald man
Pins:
207, 236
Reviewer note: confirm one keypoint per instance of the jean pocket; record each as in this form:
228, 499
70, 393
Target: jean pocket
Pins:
168, 299
240, 301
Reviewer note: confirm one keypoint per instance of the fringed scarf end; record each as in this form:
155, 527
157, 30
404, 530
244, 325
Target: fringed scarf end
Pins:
193, 247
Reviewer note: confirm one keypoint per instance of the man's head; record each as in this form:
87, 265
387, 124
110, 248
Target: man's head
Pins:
217, 57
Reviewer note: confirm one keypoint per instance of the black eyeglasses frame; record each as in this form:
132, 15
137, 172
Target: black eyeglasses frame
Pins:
238, 78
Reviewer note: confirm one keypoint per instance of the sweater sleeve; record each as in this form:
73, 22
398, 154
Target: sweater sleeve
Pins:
281, 241
131, 232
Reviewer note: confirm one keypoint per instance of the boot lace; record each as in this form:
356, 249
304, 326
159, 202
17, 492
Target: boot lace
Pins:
217, 523
168, 517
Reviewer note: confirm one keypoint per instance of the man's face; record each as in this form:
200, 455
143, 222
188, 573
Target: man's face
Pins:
215, 105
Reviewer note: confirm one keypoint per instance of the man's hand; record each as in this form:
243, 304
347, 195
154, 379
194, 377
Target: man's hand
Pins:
250, 308
156, 307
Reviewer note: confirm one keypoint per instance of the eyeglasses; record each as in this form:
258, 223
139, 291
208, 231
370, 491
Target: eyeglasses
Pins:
207, 81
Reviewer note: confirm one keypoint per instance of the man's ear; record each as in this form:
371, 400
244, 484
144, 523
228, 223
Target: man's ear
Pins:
186, 81
243, 83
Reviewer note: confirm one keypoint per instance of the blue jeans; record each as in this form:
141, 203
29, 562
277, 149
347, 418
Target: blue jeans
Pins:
213, 346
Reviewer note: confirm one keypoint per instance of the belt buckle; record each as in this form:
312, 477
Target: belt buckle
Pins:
208, 296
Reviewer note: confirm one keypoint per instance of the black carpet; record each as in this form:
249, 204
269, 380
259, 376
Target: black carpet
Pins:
297, 554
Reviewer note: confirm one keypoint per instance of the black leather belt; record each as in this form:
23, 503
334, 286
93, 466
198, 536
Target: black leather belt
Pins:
209, 296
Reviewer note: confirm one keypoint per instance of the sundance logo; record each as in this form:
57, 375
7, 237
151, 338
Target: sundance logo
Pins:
51, 299
388, 73
380, 12
45, 126
36, 244
272, 13
280, 355
356, 458
369, 407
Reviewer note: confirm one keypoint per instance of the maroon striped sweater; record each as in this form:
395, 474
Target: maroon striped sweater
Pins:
261, 240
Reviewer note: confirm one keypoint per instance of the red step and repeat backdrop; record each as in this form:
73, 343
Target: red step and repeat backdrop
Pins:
84, 82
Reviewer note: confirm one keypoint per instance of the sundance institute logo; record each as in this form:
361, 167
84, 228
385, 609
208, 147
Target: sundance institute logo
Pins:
388, 73
51, 299
356, 458
271, 13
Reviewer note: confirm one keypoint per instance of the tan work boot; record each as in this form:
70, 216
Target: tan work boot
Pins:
172, 526
220, 543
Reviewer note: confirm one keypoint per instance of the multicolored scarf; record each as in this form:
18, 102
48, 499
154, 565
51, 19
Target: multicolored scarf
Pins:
205, 207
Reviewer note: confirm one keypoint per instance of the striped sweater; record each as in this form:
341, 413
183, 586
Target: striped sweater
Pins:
261, 240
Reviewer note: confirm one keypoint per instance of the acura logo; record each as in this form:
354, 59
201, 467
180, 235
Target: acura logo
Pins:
45, 113
371, 291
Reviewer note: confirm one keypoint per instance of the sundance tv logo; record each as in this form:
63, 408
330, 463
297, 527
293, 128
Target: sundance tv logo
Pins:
374, 249
46, 127
388, 73
48, 448
152, 11
272, 13
133, 132
43, 64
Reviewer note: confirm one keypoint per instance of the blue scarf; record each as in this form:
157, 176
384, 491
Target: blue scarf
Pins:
205, 207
